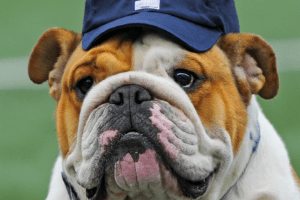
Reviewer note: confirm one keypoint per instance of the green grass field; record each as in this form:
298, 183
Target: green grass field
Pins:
28, 143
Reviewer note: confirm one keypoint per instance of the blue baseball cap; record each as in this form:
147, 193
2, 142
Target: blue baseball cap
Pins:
195, 23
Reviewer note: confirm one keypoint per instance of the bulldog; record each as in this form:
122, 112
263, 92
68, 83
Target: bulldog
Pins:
138, 116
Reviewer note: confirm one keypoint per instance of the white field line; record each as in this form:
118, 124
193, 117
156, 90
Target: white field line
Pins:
14, 74
14, 70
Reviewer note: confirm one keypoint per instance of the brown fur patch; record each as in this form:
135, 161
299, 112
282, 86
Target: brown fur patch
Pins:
107, 59
217, 101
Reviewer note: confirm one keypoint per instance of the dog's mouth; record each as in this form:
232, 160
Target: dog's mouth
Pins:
135, 149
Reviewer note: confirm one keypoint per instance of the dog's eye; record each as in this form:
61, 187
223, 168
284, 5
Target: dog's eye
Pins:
85, 84
184, 78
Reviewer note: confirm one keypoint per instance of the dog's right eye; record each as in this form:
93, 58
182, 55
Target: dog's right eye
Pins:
83, 86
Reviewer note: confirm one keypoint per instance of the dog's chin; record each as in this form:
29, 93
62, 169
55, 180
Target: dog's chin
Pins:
137, 164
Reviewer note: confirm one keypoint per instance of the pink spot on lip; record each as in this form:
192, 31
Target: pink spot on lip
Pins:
107, 136
166, 136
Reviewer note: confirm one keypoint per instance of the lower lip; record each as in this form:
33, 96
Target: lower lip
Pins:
194, 189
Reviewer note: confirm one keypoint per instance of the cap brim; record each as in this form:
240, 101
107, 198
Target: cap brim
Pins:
198, 38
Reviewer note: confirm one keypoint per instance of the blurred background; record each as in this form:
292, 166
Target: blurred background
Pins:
28, 143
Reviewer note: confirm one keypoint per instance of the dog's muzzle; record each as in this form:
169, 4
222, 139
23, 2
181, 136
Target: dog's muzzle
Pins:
136, 143
140, 146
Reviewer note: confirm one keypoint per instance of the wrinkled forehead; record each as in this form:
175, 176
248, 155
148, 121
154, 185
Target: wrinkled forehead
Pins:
156, 54
149, 52
129, 50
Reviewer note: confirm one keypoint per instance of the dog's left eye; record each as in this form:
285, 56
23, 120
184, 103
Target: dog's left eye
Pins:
184, 78
85, 84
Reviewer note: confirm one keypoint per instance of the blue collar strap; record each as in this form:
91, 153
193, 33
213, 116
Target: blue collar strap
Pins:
254, 148
73, 195
256, 140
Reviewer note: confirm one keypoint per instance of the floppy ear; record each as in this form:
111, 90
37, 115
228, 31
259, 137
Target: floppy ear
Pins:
49, 58
253, 64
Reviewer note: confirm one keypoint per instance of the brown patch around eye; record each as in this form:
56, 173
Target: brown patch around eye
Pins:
217, 100
83, 86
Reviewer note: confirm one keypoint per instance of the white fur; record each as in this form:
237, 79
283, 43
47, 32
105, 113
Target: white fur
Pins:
57, 188
268, 174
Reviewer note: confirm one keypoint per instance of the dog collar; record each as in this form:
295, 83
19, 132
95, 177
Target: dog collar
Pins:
257, 139
72, 193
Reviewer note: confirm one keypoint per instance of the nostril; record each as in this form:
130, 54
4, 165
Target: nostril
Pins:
129, 95
121, 101
141, 96
117, 99
137, 98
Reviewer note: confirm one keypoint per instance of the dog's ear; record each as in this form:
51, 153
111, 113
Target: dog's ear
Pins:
49, 58
253, 64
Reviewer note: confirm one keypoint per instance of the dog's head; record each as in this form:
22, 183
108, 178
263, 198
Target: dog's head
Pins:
138, 116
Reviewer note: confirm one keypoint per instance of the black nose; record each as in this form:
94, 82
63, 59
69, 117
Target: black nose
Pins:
130, 94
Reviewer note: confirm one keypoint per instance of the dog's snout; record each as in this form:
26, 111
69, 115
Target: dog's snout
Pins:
132, 94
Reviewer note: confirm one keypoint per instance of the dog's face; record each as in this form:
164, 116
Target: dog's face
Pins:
139, 117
